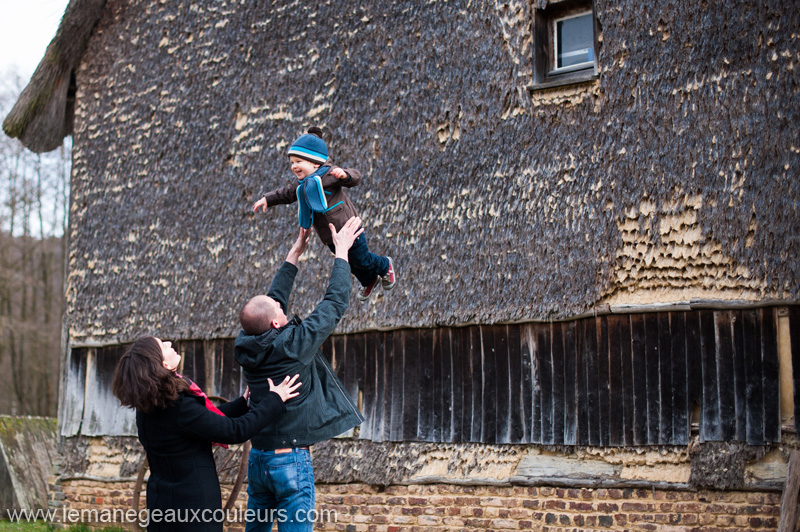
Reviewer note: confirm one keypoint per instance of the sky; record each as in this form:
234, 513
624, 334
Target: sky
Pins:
26, 28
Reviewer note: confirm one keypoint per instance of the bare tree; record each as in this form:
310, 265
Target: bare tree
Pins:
34, 191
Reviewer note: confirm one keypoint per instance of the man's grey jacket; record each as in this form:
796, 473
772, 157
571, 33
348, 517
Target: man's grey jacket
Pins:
323, 409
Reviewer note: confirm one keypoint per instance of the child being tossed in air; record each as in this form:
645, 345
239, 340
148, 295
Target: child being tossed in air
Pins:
319, 191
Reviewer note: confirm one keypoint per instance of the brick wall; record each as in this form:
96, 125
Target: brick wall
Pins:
441, 507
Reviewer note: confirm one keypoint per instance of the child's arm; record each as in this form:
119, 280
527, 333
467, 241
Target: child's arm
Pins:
344, 177
279, 196
339, 173
261, 204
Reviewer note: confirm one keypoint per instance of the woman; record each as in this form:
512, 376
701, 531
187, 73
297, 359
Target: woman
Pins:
177, 425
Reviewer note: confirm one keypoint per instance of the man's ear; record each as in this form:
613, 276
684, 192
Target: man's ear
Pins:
274, 324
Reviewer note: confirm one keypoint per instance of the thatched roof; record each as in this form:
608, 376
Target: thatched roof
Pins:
43, 114
670, 178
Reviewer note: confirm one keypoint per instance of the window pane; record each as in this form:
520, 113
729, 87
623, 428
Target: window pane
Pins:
574, 41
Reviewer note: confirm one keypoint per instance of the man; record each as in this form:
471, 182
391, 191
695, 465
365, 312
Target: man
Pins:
280, 474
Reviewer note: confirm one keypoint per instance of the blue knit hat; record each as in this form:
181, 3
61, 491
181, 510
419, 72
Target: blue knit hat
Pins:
310, 147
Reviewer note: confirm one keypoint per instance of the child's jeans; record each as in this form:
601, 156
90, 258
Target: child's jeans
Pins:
364, 264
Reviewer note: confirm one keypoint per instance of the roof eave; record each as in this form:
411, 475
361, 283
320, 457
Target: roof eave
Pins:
42, 116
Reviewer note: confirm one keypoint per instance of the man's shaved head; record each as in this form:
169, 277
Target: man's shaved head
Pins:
257, 315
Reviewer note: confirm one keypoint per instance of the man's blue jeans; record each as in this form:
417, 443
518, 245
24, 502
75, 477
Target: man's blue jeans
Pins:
364, 264
280, 489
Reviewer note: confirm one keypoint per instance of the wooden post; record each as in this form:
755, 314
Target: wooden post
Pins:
790, 493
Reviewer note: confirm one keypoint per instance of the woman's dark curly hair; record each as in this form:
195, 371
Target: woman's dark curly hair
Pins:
141, 381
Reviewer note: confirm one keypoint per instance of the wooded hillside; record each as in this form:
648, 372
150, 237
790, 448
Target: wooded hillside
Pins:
34, 191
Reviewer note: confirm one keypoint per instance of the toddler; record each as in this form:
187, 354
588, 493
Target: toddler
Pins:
319, 189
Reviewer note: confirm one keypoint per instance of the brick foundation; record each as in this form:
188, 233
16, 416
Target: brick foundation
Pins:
434, 507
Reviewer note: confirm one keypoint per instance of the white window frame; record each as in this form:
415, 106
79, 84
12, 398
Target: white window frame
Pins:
579, 66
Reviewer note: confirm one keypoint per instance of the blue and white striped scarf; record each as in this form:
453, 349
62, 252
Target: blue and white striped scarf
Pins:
311, 197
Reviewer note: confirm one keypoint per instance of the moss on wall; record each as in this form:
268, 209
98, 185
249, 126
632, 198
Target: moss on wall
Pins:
27, 453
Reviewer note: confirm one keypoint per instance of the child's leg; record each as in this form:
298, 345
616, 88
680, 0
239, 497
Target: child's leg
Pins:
366, 266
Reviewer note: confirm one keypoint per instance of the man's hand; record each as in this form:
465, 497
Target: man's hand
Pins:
260, 204
343, 240
299, 246
338, 173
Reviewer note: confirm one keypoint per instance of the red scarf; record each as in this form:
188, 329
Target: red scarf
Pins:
195, 389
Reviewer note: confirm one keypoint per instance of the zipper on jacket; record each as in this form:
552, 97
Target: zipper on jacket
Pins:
344, 393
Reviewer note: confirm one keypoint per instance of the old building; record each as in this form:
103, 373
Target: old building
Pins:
593, 208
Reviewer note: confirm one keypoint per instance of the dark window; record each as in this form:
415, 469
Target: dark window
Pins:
565, 43
573, 43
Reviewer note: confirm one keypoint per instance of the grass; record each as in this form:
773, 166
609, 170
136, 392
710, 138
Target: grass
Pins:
35, 526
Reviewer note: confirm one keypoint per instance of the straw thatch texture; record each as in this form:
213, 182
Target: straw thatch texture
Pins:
672, 177
43, 114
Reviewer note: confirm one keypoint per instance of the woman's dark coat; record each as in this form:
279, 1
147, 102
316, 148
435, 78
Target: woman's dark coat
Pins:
183, 478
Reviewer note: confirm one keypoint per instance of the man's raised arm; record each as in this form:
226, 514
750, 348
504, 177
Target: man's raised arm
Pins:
299, 246
316, 328
283, 281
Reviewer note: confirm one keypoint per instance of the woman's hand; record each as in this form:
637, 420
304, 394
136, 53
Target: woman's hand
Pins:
287, 388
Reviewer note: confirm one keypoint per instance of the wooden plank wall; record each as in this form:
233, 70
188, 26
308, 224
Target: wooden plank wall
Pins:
794, 334
88, 406
73, 393
615, 380
618, 380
